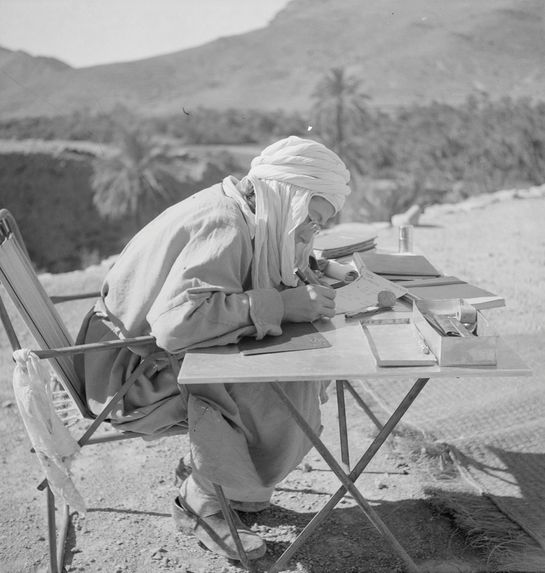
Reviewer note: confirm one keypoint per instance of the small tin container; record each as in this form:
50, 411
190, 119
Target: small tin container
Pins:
406, 233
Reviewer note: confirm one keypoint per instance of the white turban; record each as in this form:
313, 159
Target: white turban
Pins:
304, 163
285, 176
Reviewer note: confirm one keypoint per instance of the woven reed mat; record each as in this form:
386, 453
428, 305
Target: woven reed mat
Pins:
496, 427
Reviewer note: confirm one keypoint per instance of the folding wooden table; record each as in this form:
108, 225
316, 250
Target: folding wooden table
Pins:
348, 358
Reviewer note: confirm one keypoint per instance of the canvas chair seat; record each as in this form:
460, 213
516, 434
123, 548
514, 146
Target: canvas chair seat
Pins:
44, 322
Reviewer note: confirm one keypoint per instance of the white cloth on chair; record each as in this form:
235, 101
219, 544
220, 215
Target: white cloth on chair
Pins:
54, 445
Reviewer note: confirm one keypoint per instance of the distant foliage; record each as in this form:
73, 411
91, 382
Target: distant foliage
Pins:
479, 146
339, 111
144, 175
339, 116
193, 126
208, 126
417, 154
137, 176
79, 126
439, 153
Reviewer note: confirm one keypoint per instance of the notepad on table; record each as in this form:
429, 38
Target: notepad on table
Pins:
295, 336
363, 292
398, 265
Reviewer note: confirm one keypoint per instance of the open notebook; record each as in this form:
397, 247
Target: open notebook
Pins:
363, 292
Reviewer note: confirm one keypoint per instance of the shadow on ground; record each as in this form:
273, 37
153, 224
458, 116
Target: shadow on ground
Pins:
346, 542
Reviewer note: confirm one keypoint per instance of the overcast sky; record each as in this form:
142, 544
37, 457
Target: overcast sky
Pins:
89, 32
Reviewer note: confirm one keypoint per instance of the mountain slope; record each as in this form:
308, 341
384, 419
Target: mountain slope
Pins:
405, 51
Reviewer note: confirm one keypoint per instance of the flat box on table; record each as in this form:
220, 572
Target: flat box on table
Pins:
477, 350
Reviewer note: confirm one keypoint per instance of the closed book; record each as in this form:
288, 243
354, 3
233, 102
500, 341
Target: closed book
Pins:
345, 239
397, 265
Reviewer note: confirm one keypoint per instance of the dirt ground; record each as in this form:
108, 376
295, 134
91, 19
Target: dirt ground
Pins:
129, 486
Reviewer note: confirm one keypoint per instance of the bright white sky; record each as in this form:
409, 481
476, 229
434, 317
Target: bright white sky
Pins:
88, 32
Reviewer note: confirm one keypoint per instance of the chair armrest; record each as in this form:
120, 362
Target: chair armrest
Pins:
55, 299
94, 346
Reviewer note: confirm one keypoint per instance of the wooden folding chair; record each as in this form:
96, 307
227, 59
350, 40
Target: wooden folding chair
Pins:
56, 345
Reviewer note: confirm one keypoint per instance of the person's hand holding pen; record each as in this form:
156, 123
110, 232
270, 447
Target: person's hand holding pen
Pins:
309, 301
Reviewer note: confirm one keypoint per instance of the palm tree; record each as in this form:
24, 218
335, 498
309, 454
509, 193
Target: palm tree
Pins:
340, 115
136, 180
340, 105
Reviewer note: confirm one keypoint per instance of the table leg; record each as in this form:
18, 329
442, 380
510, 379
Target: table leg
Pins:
52, 530
362, 404
227, 513
343, 432
348, 481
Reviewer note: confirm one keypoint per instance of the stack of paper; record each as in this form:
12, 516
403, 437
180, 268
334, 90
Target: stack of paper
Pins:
345, 239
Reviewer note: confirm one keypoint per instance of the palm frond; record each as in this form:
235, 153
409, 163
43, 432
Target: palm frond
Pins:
140, 175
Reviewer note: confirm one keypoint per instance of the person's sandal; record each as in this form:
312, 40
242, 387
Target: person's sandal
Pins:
213, 532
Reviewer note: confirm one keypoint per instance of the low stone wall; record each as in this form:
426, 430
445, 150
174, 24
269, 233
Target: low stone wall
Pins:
482, 201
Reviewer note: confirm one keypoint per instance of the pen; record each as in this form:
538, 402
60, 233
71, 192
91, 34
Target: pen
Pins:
307, 278
380, 321
301, 276
367, 311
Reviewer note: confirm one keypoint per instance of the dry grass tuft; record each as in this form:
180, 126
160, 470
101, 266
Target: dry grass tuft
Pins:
488, 530
505, 545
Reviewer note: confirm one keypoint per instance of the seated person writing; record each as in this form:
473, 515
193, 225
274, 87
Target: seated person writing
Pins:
208, 271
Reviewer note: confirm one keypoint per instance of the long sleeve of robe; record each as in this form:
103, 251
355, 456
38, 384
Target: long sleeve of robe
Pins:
185, 279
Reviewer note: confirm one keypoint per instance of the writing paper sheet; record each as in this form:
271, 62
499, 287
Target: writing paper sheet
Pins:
363, 292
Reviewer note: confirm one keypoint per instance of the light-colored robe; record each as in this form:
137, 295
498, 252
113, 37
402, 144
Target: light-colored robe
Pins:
185, 278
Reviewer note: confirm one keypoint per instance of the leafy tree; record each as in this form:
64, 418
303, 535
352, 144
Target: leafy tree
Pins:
339, 112
138, 179
339, 109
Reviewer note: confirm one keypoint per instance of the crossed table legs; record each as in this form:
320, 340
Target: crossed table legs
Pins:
348, 480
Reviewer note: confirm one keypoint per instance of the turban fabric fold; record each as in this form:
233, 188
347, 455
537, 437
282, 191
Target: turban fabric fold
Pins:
285, 176
307, 164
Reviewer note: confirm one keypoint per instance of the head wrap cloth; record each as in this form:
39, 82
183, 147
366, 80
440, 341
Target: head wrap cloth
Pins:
285, 176
307, 164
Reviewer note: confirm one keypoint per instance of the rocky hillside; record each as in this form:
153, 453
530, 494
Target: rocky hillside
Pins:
405, 51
